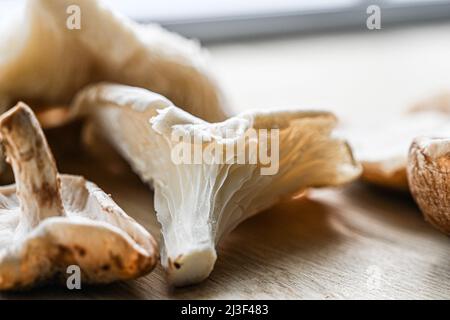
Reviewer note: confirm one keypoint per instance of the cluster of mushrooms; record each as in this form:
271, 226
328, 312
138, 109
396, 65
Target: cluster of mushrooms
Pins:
134, 86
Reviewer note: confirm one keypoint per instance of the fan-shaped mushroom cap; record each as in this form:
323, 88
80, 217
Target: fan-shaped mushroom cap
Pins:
50, 221
45, 63
198, 203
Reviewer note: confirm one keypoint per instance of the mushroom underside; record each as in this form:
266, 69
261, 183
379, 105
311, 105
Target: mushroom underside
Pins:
198, 204
46, 63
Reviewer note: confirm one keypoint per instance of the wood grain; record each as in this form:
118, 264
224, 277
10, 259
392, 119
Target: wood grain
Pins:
354, 242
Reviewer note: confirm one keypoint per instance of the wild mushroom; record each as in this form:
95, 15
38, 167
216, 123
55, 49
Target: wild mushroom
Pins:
382, 145
429, 179
50, 221
199, 202
44, 61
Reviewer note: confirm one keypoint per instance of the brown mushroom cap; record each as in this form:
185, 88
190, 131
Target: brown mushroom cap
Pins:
50, 221
381, 145
429, 179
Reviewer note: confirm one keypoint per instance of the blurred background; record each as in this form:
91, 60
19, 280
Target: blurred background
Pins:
311, 54
314, 54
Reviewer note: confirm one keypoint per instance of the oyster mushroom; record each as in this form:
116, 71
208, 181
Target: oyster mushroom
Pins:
44, 63
50, 221
429, 179
198, 203
382, 145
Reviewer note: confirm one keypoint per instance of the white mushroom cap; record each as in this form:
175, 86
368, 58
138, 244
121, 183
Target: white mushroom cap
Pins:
50, 221
429, 179
199, 204
45, 63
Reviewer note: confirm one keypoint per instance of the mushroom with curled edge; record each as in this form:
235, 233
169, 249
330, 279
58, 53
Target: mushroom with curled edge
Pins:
199, 202
381, 145
45, 60
429, 179
49, 221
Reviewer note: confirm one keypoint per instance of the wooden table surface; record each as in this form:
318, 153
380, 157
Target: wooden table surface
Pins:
352, 242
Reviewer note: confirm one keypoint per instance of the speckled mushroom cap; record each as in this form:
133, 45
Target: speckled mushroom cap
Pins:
50, 221
429, 179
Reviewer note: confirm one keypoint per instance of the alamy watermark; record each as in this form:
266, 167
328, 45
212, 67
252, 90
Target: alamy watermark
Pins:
258, 147
373, 21
73, 21
73, 281
374, 277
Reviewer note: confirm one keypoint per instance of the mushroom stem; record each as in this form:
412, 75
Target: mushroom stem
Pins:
37, 182
191, 266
